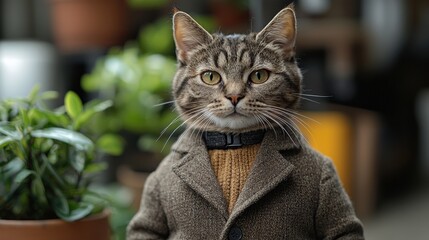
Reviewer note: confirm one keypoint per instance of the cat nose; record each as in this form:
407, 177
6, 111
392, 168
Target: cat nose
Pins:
234, 99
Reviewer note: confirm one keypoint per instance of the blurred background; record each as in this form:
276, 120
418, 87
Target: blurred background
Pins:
365, 102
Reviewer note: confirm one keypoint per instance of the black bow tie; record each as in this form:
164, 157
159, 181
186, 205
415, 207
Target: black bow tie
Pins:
217, 140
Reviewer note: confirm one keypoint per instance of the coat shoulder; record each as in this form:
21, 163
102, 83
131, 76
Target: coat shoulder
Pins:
307, 159
164, 169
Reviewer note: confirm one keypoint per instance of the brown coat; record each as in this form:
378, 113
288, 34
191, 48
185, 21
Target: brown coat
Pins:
291, 193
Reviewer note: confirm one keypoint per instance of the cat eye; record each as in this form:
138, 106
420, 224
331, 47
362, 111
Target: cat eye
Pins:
259, 76
210, 77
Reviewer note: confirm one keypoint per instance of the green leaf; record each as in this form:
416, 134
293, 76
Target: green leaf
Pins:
22, 175
4, 141
24, 116
73, 104
52, 171
76, 139
90, 111
10, 130
36, 117
48, 95
95, 167
60, 204
82, 210
38, 189
33, 94
13, 167
78, 161
58, 119
3, 114
99, 107
111, 144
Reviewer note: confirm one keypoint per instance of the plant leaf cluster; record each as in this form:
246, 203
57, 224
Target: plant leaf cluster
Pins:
47, 157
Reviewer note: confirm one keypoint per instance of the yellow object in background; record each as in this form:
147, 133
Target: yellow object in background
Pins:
330, 133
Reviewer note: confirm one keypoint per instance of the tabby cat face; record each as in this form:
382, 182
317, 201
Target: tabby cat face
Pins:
236, 83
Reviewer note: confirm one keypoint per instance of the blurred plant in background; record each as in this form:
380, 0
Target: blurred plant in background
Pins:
137, 78
147, 3
135, 83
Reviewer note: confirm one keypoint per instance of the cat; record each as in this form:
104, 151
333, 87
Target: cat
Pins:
241, 169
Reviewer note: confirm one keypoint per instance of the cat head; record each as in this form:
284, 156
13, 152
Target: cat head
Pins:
236, 83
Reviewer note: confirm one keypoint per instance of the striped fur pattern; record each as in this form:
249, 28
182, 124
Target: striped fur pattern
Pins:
236, 104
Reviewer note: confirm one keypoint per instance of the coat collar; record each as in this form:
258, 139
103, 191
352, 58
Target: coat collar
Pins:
270, 168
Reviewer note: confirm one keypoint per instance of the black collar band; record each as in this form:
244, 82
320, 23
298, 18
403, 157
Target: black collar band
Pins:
217, 140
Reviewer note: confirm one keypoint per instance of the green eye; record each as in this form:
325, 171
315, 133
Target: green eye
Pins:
259, 76
210, 77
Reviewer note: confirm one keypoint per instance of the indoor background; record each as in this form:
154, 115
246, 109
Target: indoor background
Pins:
365, 102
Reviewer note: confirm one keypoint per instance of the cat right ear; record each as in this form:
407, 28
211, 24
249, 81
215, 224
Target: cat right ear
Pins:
281, 30
188, 35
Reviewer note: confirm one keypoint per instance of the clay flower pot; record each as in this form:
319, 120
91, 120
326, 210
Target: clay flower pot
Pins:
80, 25
90, 228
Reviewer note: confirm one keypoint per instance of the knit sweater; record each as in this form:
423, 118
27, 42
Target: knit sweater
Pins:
231, 167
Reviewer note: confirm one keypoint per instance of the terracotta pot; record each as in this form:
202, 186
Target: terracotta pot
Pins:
229, 16
84, 24
90, 228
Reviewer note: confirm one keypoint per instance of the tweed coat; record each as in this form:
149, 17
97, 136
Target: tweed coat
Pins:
291, 193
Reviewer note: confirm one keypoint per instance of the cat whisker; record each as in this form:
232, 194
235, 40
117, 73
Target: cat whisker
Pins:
294, 113
308, 99
165, 129
269, 124
265, 120
198, 122
288, 118
184, 122
163, 103
288, 125
260, 121
295, 118
192, 111
313, 95
266, 114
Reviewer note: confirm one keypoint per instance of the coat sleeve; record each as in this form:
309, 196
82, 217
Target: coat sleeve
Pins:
150, 221
335, 217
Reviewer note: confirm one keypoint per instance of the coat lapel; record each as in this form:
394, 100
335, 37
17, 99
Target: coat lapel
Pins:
270, 169
196, 171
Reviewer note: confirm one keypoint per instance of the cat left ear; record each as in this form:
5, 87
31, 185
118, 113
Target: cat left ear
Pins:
188, 35
281, 30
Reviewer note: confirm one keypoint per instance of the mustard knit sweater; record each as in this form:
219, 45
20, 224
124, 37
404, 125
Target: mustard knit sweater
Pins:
231, 167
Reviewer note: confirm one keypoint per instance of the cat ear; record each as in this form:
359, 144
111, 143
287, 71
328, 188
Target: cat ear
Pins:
188, 34
281, 30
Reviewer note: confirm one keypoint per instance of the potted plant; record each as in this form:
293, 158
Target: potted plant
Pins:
230, 14
84, 24
47, 163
